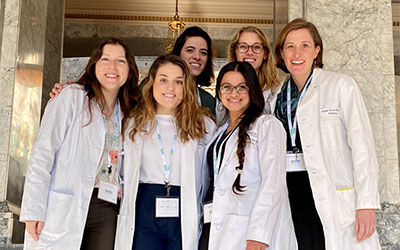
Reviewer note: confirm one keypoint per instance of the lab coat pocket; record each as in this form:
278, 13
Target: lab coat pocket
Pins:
346, 206
236, 229
59, 208
331, 135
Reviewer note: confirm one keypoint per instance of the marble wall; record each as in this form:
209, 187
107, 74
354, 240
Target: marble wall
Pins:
28, 31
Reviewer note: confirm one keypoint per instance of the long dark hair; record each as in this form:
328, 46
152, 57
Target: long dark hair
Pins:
127, 94
253, 111
207, 75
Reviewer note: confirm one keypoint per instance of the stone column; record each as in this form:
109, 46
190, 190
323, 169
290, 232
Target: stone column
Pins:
358, 40
31, 42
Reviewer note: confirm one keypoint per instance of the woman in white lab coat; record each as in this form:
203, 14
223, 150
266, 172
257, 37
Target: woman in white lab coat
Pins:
164, 145
333, 192
76, 152
250, 208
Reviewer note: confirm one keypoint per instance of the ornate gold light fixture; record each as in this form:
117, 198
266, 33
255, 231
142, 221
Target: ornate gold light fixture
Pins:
175, 28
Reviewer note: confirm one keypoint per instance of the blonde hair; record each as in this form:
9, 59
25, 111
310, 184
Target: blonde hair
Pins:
189, 115
267, 74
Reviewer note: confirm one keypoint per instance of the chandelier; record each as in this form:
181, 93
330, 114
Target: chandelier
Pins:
175, 28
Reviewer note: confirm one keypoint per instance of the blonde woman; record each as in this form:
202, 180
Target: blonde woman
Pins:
251, 45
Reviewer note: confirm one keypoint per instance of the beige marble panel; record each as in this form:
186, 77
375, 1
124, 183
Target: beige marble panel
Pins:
390, 134
385, 16
370, 86
295, 9
7, 76
383, 184
392, 182
355, 50
10, 32
387, 65
389, 97
326, 9
361, 14
379, 135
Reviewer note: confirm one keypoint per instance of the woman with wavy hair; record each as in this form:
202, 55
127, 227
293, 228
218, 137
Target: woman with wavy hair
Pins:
167, 136
72, 187
250, 208
251, 45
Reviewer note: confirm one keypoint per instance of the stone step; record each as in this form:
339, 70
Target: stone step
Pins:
12, 247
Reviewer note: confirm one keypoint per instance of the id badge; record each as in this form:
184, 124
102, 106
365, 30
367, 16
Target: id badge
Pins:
167, 207
208, 212
108, 192
295, 162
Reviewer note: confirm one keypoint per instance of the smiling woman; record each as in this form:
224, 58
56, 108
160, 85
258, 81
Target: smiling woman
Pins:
72, 188
246, 165
168, 88
168, 132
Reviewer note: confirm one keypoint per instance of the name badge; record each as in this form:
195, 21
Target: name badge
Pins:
295, 162
208, 212
108, 192
167, 207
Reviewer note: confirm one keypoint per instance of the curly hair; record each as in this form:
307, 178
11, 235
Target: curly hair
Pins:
267, 74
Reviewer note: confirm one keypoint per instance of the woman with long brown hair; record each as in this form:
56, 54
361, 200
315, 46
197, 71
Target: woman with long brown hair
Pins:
168, 131
72, 187
250, 208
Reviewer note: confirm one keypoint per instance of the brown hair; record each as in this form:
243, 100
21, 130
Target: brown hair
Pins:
127, 93
207, 75
297, 24
267, 74
189, 115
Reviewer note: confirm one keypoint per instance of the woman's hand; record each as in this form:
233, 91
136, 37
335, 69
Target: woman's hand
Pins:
34, 228
57, 88
365, 224
255, 245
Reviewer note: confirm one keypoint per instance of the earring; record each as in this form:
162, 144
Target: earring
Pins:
314, 62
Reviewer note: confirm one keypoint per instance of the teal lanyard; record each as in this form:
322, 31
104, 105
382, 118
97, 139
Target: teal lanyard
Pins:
167, 167
293, 126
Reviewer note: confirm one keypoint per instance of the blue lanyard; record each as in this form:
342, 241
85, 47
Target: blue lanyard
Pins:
293, 126
217, 158
167, 168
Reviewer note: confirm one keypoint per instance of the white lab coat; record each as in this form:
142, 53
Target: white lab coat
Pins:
262, 212
191, 181
62, 170
339, 154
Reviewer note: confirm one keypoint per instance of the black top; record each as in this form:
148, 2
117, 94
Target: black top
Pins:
281, 111
210, 162
207, 100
